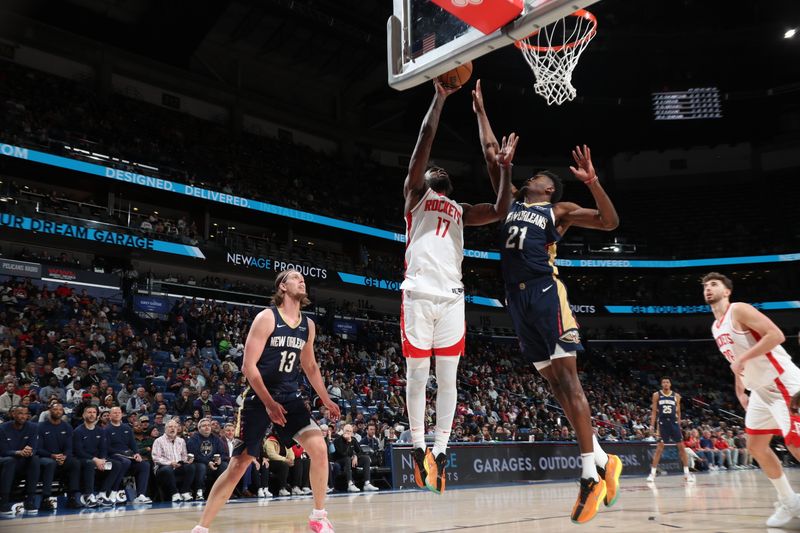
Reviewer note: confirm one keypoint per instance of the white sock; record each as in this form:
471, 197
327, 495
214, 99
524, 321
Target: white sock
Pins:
600, 457
785, 493
654, 470
589, 466
686, 470
446, 397
417, 372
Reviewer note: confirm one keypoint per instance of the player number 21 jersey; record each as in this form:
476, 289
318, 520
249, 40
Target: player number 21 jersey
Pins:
434, 246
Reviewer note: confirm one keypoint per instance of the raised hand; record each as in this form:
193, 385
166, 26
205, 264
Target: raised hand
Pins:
583, 159
477, 99
507, 149
441, 90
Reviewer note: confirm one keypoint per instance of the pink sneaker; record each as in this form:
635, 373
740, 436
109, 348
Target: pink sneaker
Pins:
320, 524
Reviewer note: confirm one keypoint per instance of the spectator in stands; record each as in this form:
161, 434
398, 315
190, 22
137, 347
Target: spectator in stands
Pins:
205, 405
740, 443
710, 453
53, 389
75, 393
347, 453
124, 455
371, 446
721, 445
279, 459
299, 473
125, 394
19, 440
9, 398
139, 403
210, 457
208, 354
223, 402
174, 471
91, 447
61, 371
184, 403
54, 447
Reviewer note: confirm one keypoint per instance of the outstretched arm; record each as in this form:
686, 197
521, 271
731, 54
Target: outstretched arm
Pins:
569, 214
415, 180
478, 215
489, 142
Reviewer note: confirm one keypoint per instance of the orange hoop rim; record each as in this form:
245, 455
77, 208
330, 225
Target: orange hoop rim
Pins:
581, 13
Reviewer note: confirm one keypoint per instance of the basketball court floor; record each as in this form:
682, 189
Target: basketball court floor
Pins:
719, 502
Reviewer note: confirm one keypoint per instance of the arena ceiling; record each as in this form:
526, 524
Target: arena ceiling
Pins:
329, 56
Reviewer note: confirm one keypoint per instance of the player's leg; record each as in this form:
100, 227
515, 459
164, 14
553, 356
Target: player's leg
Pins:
314, 445
251, 428
656, 460
768, 415
688, 476
448, 347
416, 332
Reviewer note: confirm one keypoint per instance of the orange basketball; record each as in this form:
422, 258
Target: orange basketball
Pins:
456, 77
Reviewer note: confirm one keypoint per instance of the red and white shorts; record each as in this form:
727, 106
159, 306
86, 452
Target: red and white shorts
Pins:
768, 408
432, 325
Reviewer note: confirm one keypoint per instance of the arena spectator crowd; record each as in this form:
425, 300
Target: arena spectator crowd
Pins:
103, 401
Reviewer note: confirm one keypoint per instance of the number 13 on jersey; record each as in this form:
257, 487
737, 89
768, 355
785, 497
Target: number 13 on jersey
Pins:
287, 361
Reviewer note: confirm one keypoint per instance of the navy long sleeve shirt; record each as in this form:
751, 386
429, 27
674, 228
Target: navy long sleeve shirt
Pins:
16, 439
121, 440
54, 439
204, 448
89, 443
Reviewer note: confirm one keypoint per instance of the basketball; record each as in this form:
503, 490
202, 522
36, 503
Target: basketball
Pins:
456, 77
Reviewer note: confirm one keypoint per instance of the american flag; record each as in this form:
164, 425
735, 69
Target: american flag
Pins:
428, 44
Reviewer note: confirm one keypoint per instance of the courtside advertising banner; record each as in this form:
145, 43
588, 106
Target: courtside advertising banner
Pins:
499, 462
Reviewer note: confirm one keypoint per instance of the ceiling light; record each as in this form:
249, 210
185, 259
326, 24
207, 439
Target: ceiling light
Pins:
790, 33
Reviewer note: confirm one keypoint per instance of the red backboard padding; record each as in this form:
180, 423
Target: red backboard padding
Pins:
486, 15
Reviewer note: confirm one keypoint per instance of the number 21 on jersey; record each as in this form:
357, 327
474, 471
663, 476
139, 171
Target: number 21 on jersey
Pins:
287, 361
515, 233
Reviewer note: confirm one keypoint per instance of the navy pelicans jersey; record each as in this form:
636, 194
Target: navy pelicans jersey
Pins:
279, 364
667, 408
529, 235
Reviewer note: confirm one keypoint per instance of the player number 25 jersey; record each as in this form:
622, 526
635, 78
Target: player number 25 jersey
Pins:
434, 246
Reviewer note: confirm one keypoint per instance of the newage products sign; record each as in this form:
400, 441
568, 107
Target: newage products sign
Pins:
266, 263
487, 464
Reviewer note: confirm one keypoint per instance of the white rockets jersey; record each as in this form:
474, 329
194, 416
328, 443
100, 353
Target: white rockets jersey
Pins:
434, 246
760, 371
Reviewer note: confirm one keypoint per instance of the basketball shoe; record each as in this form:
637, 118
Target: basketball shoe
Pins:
437, 478
590, 497
320, 523
610, 474
784, 513
420, 472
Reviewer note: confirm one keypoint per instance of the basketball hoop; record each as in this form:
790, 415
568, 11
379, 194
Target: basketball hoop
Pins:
553, 52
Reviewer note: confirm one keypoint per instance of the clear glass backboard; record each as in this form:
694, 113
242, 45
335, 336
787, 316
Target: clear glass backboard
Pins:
424, 40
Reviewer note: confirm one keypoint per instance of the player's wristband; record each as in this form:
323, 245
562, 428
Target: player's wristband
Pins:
507, 166
589, 182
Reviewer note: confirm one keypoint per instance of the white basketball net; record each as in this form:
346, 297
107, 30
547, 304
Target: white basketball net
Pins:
553, 52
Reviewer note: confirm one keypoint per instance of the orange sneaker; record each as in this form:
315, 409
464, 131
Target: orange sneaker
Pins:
610, 474
420, 470
589, 499
437, 478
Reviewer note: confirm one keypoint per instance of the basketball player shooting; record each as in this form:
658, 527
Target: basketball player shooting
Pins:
751, 343
279, 344
537, 299
432, 320
667, 410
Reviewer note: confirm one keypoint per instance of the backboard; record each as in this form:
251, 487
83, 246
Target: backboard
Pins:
424, 40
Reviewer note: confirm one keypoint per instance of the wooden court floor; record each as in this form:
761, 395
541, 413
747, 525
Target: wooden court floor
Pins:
719, 502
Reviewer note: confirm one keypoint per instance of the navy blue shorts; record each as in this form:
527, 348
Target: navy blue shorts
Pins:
669, 432
252, 424
542, 318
